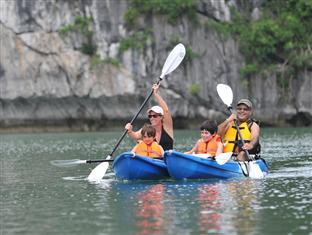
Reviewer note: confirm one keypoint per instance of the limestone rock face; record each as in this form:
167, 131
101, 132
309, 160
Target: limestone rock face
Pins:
46, 79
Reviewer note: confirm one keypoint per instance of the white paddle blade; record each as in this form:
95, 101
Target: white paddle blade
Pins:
225, 93
99, 171
255, 171
173, 60
223, 158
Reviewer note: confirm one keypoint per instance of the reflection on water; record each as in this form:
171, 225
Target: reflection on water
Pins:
39, 198
150, 210
209, 211
244, 199
220, 207
226, 207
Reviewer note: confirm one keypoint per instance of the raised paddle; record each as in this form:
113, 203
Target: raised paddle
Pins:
172, 62
226, 94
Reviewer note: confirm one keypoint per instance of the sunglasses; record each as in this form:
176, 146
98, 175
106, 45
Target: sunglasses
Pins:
153, 115
243, 109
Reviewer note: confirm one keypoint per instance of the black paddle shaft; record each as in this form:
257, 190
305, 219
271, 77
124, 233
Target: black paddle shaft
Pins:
134, 118
239, 133
99, 160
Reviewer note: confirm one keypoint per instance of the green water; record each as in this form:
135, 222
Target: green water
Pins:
40, 198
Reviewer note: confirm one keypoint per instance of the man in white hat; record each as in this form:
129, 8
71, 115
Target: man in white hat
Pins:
161, 119
249, 129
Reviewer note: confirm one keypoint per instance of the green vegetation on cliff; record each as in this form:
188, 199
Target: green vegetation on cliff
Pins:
172, 9
282, 37
138, 40
279, 41
83, 26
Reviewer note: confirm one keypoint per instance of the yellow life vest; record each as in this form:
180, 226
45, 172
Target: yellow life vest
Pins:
231, 138
153, 150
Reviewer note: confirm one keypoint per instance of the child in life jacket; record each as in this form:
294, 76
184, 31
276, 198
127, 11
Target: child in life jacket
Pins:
148, 146
210, 142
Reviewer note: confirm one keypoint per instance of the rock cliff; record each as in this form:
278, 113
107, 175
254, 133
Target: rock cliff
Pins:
49, 80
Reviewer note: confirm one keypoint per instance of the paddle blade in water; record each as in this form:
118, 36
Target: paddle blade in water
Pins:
225, 93
173, 60
68, 163
99, 171
255, 171
223, 158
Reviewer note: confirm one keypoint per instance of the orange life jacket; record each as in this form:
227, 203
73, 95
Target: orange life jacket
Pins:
153, 150
210, 147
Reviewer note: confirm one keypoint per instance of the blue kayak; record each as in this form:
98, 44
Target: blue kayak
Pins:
187, 166
134, 167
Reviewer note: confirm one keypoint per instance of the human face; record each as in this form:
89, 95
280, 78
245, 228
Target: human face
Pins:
205, 135
155, 118
148, 139
243, 112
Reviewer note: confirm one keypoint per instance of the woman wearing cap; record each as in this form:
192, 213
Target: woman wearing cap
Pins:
249, 129
161, 119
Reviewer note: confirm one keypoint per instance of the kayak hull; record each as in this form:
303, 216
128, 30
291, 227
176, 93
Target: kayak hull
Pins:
134, 167
187, 166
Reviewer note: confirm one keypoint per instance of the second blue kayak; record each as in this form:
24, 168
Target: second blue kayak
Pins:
187, 166
134, 167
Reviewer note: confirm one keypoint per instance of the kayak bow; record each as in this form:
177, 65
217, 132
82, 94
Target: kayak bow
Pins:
128, 166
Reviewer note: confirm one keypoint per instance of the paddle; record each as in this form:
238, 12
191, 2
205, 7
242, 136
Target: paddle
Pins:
226, 94
74, 162
223, 158
172, 62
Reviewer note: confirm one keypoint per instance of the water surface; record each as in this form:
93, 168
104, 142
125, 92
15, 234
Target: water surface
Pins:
40, 198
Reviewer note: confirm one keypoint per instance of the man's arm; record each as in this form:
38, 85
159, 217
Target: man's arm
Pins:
255, 134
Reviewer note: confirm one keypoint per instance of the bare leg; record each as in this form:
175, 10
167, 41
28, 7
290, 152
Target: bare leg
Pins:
242, 156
